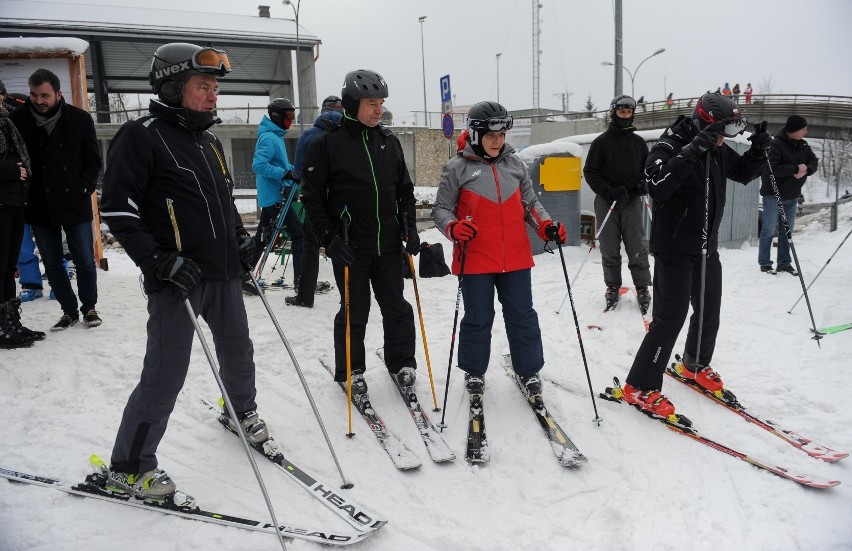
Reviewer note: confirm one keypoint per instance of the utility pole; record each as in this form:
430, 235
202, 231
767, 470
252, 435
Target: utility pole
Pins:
536, 36
619, 50
565, 97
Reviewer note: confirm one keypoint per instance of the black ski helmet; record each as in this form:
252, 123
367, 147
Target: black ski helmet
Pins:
622, 102
331, 103
362, 83
173, 64
713, 107
278, 109
485, 117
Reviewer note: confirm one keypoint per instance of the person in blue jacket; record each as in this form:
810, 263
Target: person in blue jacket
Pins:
274, 180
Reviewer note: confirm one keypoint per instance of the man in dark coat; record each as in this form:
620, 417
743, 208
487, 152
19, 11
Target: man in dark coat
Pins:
613, 170
356, 186
686, 175
792, 162
66, 160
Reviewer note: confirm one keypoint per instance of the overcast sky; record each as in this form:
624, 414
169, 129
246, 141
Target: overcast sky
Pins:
790, 46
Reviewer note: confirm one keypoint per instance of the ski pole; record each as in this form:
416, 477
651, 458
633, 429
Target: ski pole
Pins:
597, 418
591, 248
233, 415
279, 223
351, 432
789, 234
346, 484
442, 425
420, 313
790, 311
705, 235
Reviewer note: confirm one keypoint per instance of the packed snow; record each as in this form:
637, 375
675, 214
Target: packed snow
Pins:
644, 487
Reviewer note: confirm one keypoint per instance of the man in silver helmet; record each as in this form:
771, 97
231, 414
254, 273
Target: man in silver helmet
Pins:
168, 199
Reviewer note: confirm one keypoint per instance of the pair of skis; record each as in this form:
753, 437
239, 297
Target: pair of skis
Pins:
477, 451
402, 457
364, 521
682, 425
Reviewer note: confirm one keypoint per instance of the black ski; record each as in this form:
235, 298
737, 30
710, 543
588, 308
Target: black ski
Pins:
682, 425
403, 458
727, 399
477, 450
566, 451
438, 449
94, 487
356, 515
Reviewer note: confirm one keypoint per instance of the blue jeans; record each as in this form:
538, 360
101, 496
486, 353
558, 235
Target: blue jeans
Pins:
514, 291
81, 246
770, 221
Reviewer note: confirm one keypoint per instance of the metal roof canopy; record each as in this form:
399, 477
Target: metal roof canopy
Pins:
123, 39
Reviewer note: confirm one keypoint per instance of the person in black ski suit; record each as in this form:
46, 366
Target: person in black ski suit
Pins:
686, 175
614, 171
168, 199
355, 174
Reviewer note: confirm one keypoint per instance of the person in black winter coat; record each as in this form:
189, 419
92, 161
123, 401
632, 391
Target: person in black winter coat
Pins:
15, 170
792, 162
686, 175
614, 171
169, 200
356, 185
66, 160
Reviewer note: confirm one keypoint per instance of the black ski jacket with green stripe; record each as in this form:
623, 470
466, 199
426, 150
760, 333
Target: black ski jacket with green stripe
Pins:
361, 171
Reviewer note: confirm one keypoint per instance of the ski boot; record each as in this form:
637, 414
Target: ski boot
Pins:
651, 401
153, 486
611, 296
643, 295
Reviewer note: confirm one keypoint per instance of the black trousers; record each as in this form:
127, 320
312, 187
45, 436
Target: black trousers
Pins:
11, 233
310, 264
677, 284
384, 273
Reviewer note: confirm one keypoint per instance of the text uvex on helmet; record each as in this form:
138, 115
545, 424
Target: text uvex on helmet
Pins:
281, 112
331, 103
173, 64
720, 111
485, 117
622, 102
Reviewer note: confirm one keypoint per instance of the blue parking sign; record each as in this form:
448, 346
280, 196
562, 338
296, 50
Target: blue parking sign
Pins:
446, 95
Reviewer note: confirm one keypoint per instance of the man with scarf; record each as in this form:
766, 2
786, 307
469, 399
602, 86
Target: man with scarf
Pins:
66, 160
168, 199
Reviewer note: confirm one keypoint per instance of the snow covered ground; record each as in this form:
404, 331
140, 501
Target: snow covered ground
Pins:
644, 487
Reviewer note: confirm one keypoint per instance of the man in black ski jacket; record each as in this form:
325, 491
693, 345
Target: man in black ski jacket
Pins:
792, 162
168, 199
355, 177
614, 171
686, 175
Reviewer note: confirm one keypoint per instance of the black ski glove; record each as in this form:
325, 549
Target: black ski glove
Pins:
339, 251
640, 187
178, 270
760, 140
703, 142
616, 193
292, 177
247, 248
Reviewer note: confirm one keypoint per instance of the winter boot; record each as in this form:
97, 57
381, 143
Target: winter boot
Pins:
154, 485
297, 301
532, 384
322, 287
15, 319
406, 376
643, 295
474, 384
252, 426
611, 296
651, 401
701, 374
65, 322
789, 269
9, 336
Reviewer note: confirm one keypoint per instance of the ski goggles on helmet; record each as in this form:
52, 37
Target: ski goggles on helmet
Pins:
624, 103
211, 60
732, 126
498, 124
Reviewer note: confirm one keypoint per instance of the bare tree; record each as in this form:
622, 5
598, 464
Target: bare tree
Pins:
836, 163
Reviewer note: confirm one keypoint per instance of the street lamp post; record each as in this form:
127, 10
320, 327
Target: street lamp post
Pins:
298, 77
498, 76
423, 58
633, 74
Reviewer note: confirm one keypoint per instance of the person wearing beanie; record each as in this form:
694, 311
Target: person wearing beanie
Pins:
792, 161
360, 201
